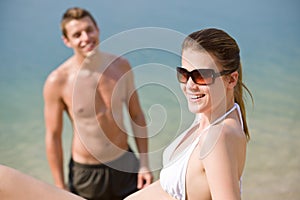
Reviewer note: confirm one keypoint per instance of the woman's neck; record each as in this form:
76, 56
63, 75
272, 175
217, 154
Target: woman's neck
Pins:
215, 113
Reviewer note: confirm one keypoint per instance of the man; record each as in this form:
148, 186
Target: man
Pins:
92, 86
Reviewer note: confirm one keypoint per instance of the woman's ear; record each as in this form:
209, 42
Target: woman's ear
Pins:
66, 41
233, 79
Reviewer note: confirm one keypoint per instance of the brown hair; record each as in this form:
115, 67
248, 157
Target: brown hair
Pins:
226, 50
74, 13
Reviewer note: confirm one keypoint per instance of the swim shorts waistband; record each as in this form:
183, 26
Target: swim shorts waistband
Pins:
117, 161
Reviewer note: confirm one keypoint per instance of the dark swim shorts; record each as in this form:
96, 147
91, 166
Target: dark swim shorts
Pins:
111, 181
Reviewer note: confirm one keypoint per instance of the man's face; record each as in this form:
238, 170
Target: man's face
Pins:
82, 36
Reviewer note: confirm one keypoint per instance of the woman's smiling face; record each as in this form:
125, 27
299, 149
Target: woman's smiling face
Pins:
202, 98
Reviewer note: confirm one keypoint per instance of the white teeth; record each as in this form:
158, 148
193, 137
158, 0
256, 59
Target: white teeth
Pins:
88, 46
197, 96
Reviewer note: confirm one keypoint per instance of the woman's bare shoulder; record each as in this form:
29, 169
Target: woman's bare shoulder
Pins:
227, 136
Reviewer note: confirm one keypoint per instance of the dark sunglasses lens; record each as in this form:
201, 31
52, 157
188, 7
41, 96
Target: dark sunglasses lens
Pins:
203, 76
182, 75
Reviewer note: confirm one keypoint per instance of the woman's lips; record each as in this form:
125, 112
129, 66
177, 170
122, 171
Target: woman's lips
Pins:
195, 97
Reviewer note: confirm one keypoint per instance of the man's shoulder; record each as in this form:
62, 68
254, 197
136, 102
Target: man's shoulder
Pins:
116, 60
59, 75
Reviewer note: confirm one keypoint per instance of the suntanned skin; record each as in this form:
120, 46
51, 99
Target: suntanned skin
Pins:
214, 168
17, 185
92, 86
216, 175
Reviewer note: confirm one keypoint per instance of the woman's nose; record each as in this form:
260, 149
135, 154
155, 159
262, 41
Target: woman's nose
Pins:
190, 83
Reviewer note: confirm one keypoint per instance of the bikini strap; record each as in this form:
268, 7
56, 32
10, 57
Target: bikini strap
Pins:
225, 115
240, 115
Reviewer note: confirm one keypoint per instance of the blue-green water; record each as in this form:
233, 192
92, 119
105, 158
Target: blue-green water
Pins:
268, 35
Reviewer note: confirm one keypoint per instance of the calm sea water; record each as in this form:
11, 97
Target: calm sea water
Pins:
268, 35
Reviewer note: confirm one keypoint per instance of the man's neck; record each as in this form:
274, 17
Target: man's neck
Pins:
89, 62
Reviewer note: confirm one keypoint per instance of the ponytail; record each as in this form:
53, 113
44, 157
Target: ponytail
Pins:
239, 99
227, 52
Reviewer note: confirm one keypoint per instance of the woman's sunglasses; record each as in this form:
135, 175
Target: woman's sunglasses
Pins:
200, 76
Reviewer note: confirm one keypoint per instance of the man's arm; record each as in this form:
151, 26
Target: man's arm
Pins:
138, 124
139, 128
53, 113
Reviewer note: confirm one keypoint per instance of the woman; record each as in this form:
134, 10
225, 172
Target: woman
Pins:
17, 185
207, 160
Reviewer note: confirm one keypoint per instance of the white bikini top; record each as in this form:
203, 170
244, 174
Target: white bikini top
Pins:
172, 176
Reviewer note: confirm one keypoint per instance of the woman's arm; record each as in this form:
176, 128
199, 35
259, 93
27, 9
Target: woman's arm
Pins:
222, 166
16, 185
153, 191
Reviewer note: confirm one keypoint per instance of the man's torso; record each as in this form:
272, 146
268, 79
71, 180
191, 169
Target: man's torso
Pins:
94, 99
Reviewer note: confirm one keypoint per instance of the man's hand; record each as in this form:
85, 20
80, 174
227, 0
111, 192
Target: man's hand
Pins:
145, 178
